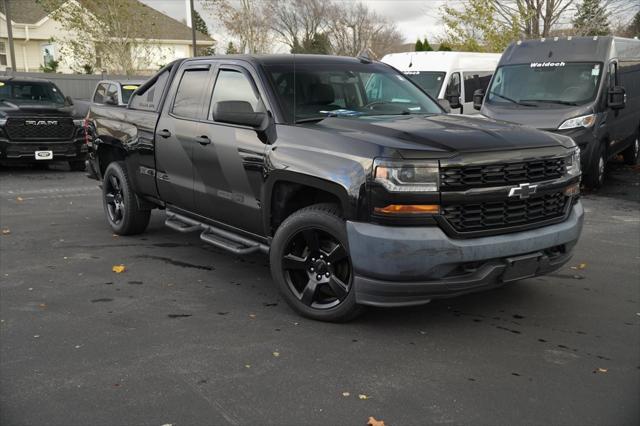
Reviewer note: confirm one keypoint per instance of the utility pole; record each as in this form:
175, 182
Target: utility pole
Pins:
193, 27
7, 14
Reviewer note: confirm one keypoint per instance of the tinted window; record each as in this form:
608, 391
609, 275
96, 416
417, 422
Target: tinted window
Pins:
150, 99
233, 85
188, 101
101, 92
127, 91
27, 92
453, 88
475, 80
430, 82
346, 89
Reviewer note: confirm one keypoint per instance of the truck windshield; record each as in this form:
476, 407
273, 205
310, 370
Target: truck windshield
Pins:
560, 83
24, 92
317, 91
429, 81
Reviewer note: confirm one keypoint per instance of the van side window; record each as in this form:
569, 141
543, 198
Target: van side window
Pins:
613, 74
232, 85
188, 101
453, 88
475, 80
100, 94
150, 99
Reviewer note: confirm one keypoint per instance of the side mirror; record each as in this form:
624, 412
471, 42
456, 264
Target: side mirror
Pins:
454, 100
445, 105
478, 98
110, 100
617, 97
242, 113
68, 100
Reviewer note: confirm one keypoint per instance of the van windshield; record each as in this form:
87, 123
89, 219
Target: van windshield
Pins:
560, 83
429, 81
317, 91
27, 92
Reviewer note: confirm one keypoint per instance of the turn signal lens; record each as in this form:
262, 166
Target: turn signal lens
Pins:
408, 209
572, 190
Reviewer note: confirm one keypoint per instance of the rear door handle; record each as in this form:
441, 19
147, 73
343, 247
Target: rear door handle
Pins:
164, 133
203, 140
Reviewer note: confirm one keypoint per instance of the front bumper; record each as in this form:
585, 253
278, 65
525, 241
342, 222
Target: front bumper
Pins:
21, 152
399, 266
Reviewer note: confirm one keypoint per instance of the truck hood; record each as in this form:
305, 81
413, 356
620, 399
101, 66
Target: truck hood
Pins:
413, 135
548, 117
43, 109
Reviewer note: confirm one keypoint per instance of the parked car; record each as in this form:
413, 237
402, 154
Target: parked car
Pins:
114, 92
587, 88
37, 124
452, 76
358, 185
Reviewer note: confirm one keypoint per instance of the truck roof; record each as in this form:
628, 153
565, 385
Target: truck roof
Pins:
571, 49
442, 61
287, 59
123, 82
25, 79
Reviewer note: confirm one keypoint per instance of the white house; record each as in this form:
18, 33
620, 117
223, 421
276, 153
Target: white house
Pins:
35, 32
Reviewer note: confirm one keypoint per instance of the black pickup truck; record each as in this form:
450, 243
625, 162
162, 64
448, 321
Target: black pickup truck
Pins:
354, 181
37, 124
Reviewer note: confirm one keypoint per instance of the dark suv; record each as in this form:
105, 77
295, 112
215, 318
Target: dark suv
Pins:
358, 185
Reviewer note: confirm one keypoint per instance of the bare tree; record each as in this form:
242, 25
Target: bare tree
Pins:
537, 17
298, 22
354, 27
248, 21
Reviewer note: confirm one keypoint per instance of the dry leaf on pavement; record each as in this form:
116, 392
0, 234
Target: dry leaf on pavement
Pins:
276, 354
580, 266
373, 422
118, 269
363, 396
6, 231
19, 199
345, 394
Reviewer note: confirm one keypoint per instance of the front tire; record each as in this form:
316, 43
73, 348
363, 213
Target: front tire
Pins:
311, 266
632, 153
120, 204
595, 175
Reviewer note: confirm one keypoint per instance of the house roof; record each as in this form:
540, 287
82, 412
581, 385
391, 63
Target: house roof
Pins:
160, 26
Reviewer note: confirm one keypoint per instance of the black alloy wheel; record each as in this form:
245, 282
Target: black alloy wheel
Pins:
114, 199
317, 269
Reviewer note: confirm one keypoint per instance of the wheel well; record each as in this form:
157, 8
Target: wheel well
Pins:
289, 197
108, 154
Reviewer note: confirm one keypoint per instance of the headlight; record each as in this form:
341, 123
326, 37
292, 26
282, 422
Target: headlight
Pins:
415, 176
572, 163
583, 121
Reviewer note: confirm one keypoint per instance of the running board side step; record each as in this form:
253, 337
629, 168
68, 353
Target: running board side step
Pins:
220, 238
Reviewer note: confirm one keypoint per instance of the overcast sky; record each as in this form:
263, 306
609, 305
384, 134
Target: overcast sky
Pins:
414, 18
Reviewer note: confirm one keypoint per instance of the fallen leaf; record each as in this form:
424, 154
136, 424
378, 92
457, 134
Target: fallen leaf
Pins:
600, 370
346, 394
373, 422
580, 266
115, 235
36, 335
19, 199
252, 316
6, 231
118, 269
276, 354
247, 366
43, 305
363, 396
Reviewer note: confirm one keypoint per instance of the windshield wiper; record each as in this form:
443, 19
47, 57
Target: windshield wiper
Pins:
513, 100
551, 101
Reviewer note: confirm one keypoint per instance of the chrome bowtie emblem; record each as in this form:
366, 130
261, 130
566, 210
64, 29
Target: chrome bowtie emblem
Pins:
524, 190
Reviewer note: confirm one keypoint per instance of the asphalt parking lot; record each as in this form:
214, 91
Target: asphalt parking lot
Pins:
190, 335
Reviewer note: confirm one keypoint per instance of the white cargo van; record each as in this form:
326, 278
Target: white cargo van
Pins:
453, 76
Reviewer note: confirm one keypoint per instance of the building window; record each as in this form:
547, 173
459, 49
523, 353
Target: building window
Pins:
3, 53
48, 52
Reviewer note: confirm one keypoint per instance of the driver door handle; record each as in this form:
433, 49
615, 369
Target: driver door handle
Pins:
164, 133
203, 140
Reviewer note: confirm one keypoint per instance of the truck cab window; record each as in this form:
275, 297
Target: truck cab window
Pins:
150, 99
188, 101
233, 85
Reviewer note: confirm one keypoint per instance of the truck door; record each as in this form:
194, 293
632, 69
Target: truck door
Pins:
229, 163
176, 135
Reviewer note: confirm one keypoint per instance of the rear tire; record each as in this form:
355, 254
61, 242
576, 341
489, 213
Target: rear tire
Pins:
594, 177
120, 204
77, 166
632, 153
311, 265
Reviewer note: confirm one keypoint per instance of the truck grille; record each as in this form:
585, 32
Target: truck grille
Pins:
460, 178
507, 213
18, 130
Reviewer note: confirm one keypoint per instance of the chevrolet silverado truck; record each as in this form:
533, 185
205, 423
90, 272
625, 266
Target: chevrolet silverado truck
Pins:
37, 124
357, 185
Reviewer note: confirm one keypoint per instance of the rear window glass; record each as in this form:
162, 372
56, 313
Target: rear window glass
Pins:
150, 99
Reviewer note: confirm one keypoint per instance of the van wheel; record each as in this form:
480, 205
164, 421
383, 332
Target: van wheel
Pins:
632, 153
120, 205
595, 175
311, 266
